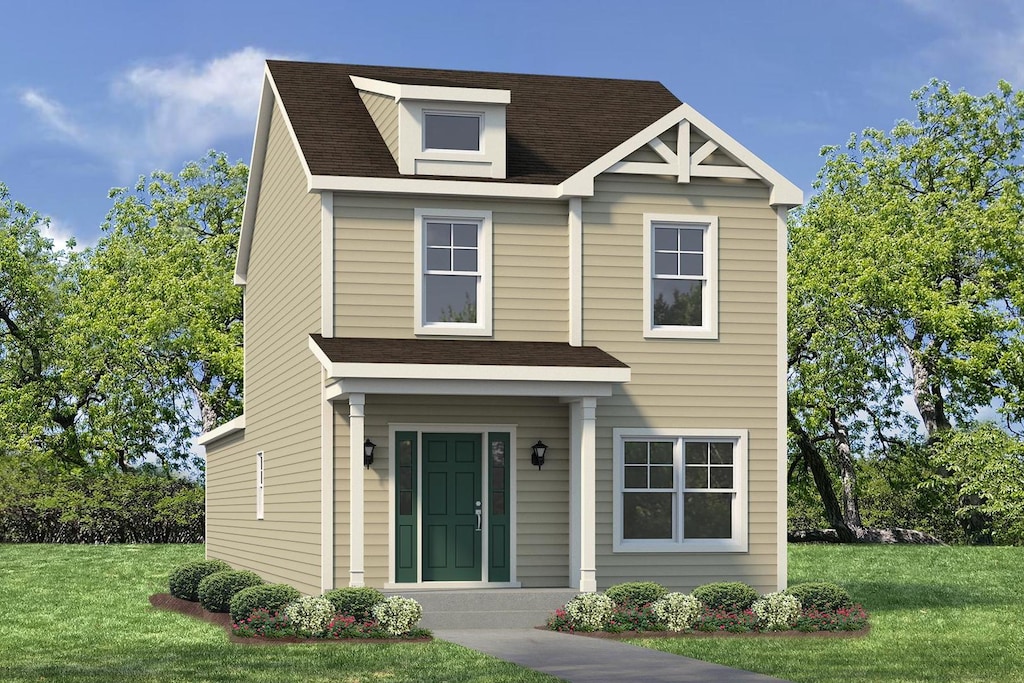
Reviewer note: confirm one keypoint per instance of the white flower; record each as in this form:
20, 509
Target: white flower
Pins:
589, 611
397, 615
677, 611
310, 615
776, 611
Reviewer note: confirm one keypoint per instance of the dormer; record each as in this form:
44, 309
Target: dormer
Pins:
439, 130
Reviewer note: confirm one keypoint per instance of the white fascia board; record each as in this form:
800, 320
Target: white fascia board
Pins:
226, 429
581, 183
457, 188
489, 373
567, 391
259, 150
784, 193
252, 188
400, 91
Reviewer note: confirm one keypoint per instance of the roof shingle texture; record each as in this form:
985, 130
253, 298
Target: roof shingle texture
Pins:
555, 125
463, 352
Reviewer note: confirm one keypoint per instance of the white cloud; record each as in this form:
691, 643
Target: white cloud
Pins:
61, 233
52, 113
163, 113
987, 37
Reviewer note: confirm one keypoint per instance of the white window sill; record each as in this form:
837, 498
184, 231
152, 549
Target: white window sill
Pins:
680, 333
453, 331
691, 546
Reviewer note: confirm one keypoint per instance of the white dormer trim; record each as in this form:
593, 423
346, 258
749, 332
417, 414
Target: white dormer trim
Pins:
416, 101
400, 91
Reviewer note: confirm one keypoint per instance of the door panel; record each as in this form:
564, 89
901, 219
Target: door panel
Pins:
451, 488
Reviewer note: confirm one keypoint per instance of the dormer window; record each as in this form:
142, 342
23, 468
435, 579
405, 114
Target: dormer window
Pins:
452, 131
442, 130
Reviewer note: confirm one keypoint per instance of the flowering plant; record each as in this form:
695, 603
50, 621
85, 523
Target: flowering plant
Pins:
310, 614
677, 611
776, 611
724, 620
264, 623
589, 611
397, 615
845, 619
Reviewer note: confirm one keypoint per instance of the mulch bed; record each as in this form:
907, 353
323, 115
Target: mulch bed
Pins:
169, 603
718, 634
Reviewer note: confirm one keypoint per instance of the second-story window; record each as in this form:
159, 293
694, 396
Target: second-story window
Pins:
453, 262
681, 276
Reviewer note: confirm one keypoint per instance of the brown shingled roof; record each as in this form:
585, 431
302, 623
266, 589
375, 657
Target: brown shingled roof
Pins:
463, 352
556, 125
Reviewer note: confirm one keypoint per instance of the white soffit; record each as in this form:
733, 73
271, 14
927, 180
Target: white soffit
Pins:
400, 91
226, 429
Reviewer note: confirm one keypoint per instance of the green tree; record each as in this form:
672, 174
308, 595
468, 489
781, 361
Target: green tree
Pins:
45, 381
158, 297
906, 280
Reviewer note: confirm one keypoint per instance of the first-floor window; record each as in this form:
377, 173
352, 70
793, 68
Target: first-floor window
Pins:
681, 490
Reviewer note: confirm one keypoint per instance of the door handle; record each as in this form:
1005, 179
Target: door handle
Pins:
479, 517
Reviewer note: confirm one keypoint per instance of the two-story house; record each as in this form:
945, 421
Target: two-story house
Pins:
503, 330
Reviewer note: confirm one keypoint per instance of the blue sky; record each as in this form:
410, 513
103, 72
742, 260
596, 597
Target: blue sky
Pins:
94, 94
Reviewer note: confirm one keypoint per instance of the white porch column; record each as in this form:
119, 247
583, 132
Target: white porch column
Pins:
583, 495
326, 489
356, 417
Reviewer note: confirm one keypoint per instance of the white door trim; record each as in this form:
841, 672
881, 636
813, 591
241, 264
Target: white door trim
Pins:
442, 428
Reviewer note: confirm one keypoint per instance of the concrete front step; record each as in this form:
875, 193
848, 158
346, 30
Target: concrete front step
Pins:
501, 608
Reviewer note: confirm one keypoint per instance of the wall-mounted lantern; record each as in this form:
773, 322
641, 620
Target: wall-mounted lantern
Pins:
368, 453
537, 457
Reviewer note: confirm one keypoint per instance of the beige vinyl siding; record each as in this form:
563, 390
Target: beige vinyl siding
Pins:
384, 112
542, 540
374, 276
682, 383
282, 389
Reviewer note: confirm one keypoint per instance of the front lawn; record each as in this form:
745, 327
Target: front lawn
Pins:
80, 613
937, 614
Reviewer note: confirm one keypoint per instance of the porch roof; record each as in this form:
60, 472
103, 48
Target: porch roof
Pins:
461, 366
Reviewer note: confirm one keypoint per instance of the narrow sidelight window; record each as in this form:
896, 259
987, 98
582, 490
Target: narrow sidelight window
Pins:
259, 485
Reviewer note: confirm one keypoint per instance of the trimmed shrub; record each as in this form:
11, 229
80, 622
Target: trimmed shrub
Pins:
589, 611
272, 597
731, 596
97, 507
636, 593
184, 580
355, 602
216, 590
310, 614
821, 596
776, 611
397, 615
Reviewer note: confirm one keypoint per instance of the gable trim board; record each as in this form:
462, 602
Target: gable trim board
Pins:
578, 184
225, 430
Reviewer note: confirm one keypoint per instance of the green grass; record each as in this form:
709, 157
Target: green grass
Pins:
80, 613
937, 614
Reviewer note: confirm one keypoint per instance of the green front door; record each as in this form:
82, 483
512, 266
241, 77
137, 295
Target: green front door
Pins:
452, 524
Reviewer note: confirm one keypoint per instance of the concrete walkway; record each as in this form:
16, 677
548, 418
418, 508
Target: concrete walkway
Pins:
579, 659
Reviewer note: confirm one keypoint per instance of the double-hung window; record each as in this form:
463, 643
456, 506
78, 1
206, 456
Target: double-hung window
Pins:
680, 490
680, 276
453, 293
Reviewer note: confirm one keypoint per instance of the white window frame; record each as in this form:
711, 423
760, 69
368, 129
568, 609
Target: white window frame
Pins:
483, 326
678, 544
708, 329
260, 482
481, 138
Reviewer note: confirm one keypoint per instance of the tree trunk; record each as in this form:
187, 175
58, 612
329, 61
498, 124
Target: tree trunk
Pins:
847, 472
822, 481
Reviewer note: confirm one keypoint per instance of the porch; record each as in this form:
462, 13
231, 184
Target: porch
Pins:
488, 608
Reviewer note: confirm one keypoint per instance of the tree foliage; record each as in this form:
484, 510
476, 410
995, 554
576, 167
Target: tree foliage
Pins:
123, 353
906, 280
